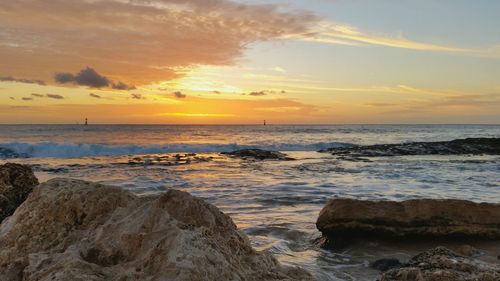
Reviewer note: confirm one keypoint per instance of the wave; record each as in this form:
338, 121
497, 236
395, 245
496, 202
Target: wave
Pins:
63, 150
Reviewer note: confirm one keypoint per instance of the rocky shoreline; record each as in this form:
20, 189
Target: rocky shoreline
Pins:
476, 146
76, 230
66, 229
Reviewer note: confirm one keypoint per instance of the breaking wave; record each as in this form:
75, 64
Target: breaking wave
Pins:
62, 150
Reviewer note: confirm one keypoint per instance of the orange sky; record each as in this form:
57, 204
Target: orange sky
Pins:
221, 61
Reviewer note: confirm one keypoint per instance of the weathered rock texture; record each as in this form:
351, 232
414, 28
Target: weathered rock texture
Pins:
16, 182
441, 264
454, 147
76, 230
258, 154
423, 218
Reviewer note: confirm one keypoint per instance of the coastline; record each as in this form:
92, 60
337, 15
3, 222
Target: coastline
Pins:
473, 256
275, 202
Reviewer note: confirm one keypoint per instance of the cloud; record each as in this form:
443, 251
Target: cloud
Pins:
123, 86
257, 94
27, 99
50, 96
21, 80
90, 78
86, 77
179, 95
137, 96
94, 95
12, 98
341, 34
54, 96
138, 41
263, 93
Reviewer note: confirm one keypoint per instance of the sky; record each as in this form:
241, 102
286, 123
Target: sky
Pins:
242, 62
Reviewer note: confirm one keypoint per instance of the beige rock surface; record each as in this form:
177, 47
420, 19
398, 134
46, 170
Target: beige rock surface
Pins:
75, 230
423, 218
16, 182
441, 264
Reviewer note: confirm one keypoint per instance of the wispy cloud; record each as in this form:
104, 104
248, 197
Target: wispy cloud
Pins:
50, 96
54, 96
342, 34
21, 80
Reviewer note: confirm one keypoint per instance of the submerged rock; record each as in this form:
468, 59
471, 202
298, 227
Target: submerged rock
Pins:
343, 219
258, 154
455, 147
16, 182
75, 230
386, 264
441, 264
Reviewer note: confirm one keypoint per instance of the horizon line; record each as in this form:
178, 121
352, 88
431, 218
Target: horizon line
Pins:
251, 124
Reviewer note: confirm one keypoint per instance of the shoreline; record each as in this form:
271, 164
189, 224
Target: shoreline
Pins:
374, 247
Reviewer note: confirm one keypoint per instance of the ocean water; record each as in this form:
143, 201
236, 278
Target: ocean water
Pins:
275, 202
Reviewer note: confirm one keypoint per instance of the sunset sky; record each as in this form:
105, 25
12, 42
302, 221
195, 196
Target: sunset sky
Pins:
240, 62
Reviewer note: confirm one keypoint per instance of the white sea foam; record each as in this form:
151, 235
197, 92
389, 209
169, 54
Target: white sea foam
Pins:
61, 150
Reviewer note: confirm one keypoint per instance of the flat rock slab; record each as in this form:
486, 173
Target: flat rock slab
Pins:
423, 219
82, 231
16, 182
489, 146
441, 264
258, 154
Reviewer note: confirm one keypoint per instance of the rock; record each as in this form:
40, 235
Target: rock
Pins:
386, 264
455, 147
423, 218
258, 154
468, 251
441, 264
75, 230
16, 182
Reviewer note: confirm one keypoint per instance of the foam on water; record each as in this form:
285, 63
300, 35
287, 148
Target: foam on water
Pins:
65, 150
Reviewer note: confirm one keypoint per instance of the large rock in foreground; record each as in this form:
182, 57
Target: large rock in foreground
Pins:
441, 264
76, 230
16, 182
423, 218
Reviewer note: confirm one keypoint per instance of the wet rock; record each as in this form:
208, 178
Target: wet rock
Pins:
168, 160
468, 251
343, 219
441, 264
258, 154
75, 230
386, 264
455, 147
16, 182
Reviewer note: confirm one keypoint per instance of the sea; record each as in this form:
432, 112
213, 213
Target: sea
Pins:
276, 203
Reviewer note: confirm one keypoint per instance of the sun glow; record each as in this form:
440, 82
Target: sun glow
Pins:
182, 114
203, 79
